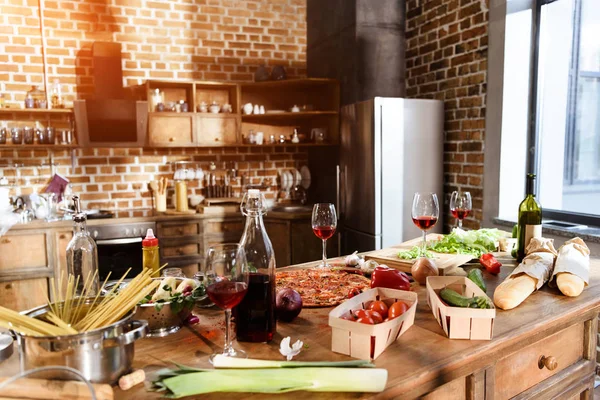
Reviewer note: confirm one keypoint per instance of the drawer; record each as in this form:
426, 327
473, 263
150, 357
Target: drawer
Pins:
23, 251
454, 390
23, 294
178, 230
182, 250
190, 269
521, 370
230, 226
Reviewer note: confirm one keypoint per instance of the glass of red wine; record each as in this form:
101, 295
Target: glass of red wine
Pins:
425, 213
227, 284
324, 222
460, 205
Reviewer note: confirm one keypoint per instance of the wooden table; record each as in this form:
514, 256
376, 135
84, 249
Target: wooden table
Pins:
423, 362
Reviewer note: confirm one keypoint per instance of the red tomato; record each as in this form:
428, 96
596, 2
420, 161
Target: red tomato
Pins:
354, 292
380, 307
397, 309
348, 315
360, 313
366, 320
375, 316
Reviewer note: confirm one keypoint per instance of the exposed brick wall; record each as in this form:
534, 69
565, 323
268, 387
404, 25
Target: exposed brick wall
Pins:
118, 178
446, 59
161, 39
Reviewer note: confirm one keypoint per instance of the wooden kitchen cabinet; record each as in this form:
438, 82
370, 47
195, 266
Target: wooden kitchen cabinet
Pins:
216, 129
279, 233
167, 129
21, 295
23, 251
306, 246
181, 244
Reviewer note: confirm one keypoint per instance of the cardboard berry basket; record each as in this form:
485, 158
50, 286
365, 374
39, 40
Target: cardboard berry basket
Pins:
460, 322
364, 341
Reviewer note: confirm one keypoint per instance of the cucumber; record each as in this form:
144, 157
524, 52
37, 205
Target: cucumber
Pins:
454, 299
476, 276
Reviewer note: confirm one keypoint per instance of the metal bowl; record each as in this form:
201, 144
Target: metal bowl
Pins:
101, 355
161, 322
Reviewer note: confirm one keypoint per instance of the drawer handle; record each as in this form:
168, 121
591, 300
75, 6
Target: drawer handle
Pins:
180, 251
171, 139
8, 286
217, 139
548, 362
6, 240
62, 236
180, 231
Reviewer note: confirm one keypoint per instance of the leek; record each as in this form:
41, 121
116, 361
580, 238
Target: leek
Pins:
221, 361
185, 382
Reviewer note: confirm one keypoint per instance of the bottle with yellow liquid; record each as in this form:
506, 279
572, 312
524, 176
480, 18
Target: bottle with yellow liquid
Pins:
150, 257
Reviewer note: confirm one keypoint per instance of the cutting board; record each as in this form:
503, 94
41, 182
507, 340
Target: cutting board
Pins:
447, 263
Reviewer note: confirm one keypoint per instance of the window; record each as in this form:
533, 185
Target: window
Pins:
551, 105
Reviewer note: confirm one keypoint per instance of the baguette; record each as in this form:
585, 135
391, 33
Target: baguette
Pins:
513, 291
569, 284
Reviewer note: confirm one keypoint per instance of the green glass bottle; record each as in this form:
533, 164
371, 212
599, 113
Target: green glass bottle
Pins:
530, 218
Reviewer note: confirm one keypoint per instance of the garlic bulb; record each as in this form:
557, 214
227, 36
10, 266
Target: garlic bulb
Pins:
354, 260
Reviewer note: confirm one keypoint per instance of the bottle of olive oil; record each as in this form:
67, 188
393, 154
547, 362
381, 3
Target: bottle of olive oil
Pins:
530, 218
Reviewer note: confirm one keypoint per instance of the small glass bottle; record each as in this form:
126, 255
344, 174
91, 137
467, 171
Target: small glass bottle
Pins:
56, 99
82, 253
255, 315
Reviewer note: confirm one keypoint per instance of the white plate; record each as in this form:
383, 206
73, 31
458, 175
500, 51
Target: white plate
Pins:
305, 173
289, 180
283, 179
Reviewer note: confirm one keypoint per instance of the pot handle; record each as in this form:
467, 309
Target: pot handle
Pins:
138, 331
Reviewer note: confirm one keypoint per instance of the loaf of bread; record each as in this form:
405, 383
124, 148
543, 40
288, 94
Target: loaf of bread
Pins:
513, 291
572, 269
569, 284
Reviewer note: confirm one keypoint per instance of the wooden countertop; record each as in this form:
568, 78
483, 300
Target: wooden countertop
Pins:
152, 217
422, 359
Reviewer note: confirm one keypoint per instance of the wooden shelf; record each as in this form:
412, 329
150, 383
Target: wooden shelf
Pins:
305, 82
287, 115
187, 114
64, 111
10, 146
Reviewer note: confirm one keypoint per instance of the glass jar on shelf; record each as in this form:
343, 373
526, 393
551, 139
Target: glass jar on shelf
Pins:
38, 96
56, 99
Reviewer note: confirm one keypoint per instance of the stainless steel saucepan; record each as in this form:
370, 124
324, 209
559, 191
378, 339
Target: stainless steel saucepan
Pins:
101, 355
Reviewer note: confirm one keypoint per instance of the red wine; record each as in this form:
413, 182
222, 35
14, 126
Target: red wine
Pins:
255, 315
227, 294
424, 222
324, 232
460, 213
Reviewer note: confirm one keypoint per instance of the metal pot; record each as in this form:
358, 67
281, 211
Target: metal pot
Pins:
101, 355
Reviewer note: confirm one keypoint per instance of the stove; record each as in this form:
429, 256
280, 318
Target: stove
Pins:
120, 248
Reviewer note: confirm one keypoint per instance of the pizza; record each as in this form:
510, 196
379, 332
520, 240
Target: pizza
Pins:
322, 287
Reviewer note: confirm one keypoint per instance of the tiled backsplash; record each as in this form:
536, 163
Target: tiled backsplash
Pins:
117, 178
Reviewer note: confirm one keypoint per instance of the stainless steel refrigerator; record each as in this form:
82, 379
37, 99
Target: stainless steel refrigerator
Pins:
390, 149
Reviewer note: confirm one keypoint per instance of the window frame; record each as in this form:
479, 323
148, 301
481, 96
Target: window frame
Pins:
499, 9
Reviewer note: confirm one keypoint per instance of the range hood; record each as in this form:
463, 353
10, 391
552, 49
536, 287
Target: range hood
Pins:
109, 118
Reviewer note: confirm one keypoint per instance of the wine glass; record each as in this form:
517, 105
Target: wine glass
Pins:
425, 213
227, 279
324, 222
460, 205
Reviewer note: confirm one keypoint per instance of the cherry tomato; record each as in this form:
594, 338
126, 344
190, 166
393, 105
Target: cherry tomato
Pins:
375, 316
348, 316
380, 307
366, 320
354, 292
397, 309
360, 313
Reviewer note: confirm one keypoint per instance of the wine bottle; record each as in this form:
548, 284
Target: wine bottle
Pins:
530, 218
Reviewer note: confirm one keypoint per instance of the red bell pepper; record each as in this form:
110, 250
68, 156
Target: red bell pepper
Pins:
490, 263
387, 277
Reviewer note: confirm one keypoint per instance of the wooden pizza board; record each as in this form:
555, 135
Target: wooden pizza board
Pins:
447, 263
